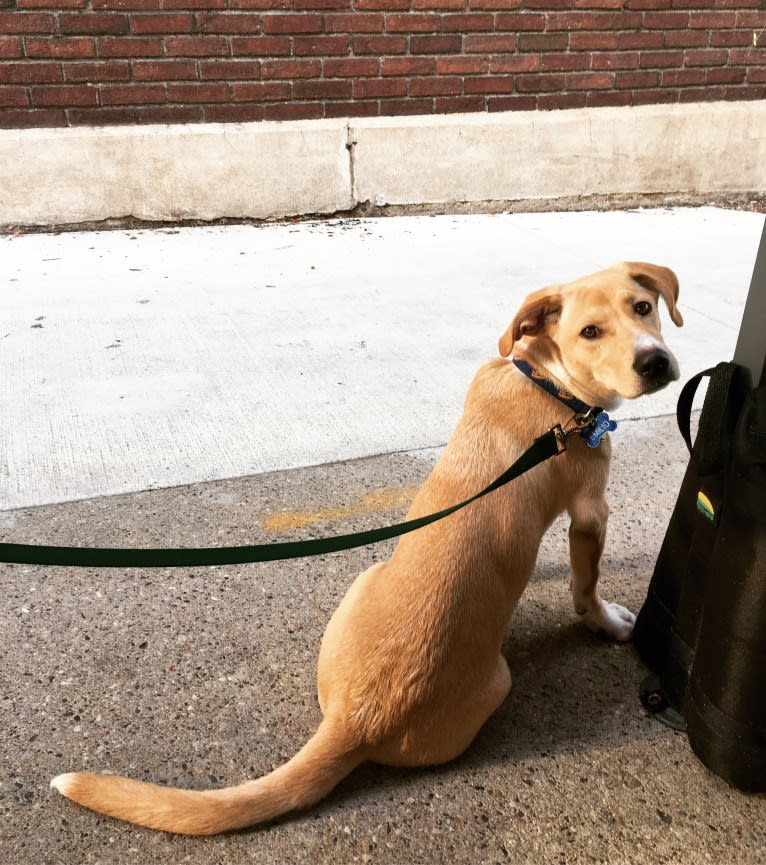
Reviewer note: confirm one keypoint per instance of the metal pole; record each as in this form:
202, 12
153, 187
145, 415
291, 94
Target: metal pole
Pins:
751, 343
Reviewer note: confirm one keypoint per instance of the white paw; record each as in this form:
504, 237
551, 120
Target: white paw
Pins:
614, 620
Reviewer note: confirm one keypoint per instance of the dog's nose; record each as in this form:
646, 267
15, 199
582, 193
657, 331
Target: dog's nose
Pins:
653, 365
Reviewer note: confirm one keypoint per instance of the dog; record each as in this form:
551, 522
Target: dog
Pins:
410, 665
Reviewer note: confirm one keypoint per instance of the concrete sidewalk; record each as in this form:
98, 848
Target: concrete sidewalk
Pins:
266, 354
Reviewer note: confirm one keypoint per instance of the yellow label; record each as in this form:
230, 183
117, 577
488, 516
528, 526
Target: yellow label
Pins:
705, 506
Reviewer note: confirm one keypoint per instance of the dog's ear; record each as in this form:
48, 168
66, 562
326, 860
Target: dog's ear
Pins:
533, 317
661, 280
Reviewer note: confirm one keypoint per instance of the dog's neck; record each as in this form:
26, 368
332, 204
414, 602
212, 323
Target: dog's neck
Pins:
542, 379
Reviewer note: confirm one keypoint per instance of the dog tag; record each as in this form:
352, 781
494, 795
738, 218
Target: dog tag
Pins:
601, 426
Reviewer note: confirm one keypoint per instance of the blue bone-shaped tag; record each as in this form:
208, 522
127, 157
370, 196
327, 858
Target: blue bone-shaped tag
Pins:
602, 425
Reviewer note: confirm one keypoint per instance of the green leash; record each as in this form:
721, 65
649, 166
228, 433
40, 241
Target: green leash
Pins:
547, 445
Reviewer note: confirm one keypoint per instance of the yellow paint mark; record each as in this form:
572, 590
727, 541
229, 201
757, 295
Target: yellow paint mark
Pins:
374, 502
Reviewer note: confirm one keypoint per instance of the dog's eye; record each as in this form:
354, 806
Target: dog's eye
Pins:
643, 307
590, 332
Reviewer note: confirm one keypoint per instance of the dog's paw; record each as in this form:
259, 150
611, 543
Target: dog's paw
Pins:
612, 619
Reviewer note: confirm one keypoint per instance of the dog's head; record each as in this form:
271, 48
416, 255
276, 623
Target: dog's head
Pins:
600, 335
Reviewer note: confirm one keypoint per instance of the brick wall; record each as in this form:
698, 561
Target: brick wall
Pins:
170, 61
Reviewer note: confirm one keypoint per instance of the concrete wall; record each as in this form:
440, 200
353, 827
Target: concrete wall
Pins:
268, 170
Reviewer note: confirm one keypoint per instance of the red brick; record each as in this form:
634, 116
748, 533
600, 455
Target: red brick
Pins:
589, 81
521, 21
619, 60
661, 59
685, 38
68, 47
512, 103
26, 23
206, 5
110, 116
62, 97
47, 4
263, 5
380, 45
280, 24
731, 38
756, 76
682, 77
14, 118
289, 69
169, 114
515, 63
565, 62
712, 20
352, 109
702, 94
335, 88
400, 107
561, 101
198, 92
570, 21
666, 20
129, 46
407, 66
293, 111
467, 23
379, 88
489, 84
102, 70
93, 23
260, 91
231, 23
320, 46
654, 97
321, 4
538, 83
608, 99
164, 70
30, 73
636, 80
444, 5
133, 94
229, 70
706, 57
260, 46
435, 86
352, 67
356, 22
382, 5
543, 42
599, 4
462, 65
435, 44
498, 5
459, 104
492, 43
641, 40
124, 5
13, 97
548, 5
725, 76
593, 41
173, 23
233, 113
10, 47
411, 23
747, 56
649, 5
196, 46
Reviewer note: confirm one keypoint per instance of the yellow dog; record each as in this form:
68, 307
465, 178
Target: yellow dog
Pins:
410, 665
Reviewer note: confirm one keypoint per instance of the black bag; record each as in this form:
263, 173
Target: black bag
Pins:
702, 628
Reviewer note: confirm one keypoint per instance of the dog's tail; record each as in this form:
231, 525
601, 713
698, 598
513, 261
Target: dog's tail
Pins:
321, 764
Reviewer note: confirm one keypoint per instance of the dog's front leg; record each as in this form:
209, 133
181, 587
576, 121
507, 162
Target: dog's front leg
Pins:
587, 532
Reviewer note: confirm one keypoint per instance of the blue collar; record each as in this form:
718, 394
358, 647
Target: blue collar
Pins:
599, 423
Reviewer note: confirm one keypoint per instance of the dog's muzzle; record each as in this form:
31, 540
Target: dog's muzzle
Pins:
656, 367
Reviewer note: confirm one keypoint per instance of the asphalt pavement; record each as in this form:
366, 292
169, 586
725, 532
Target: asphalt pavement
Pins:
233, 384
